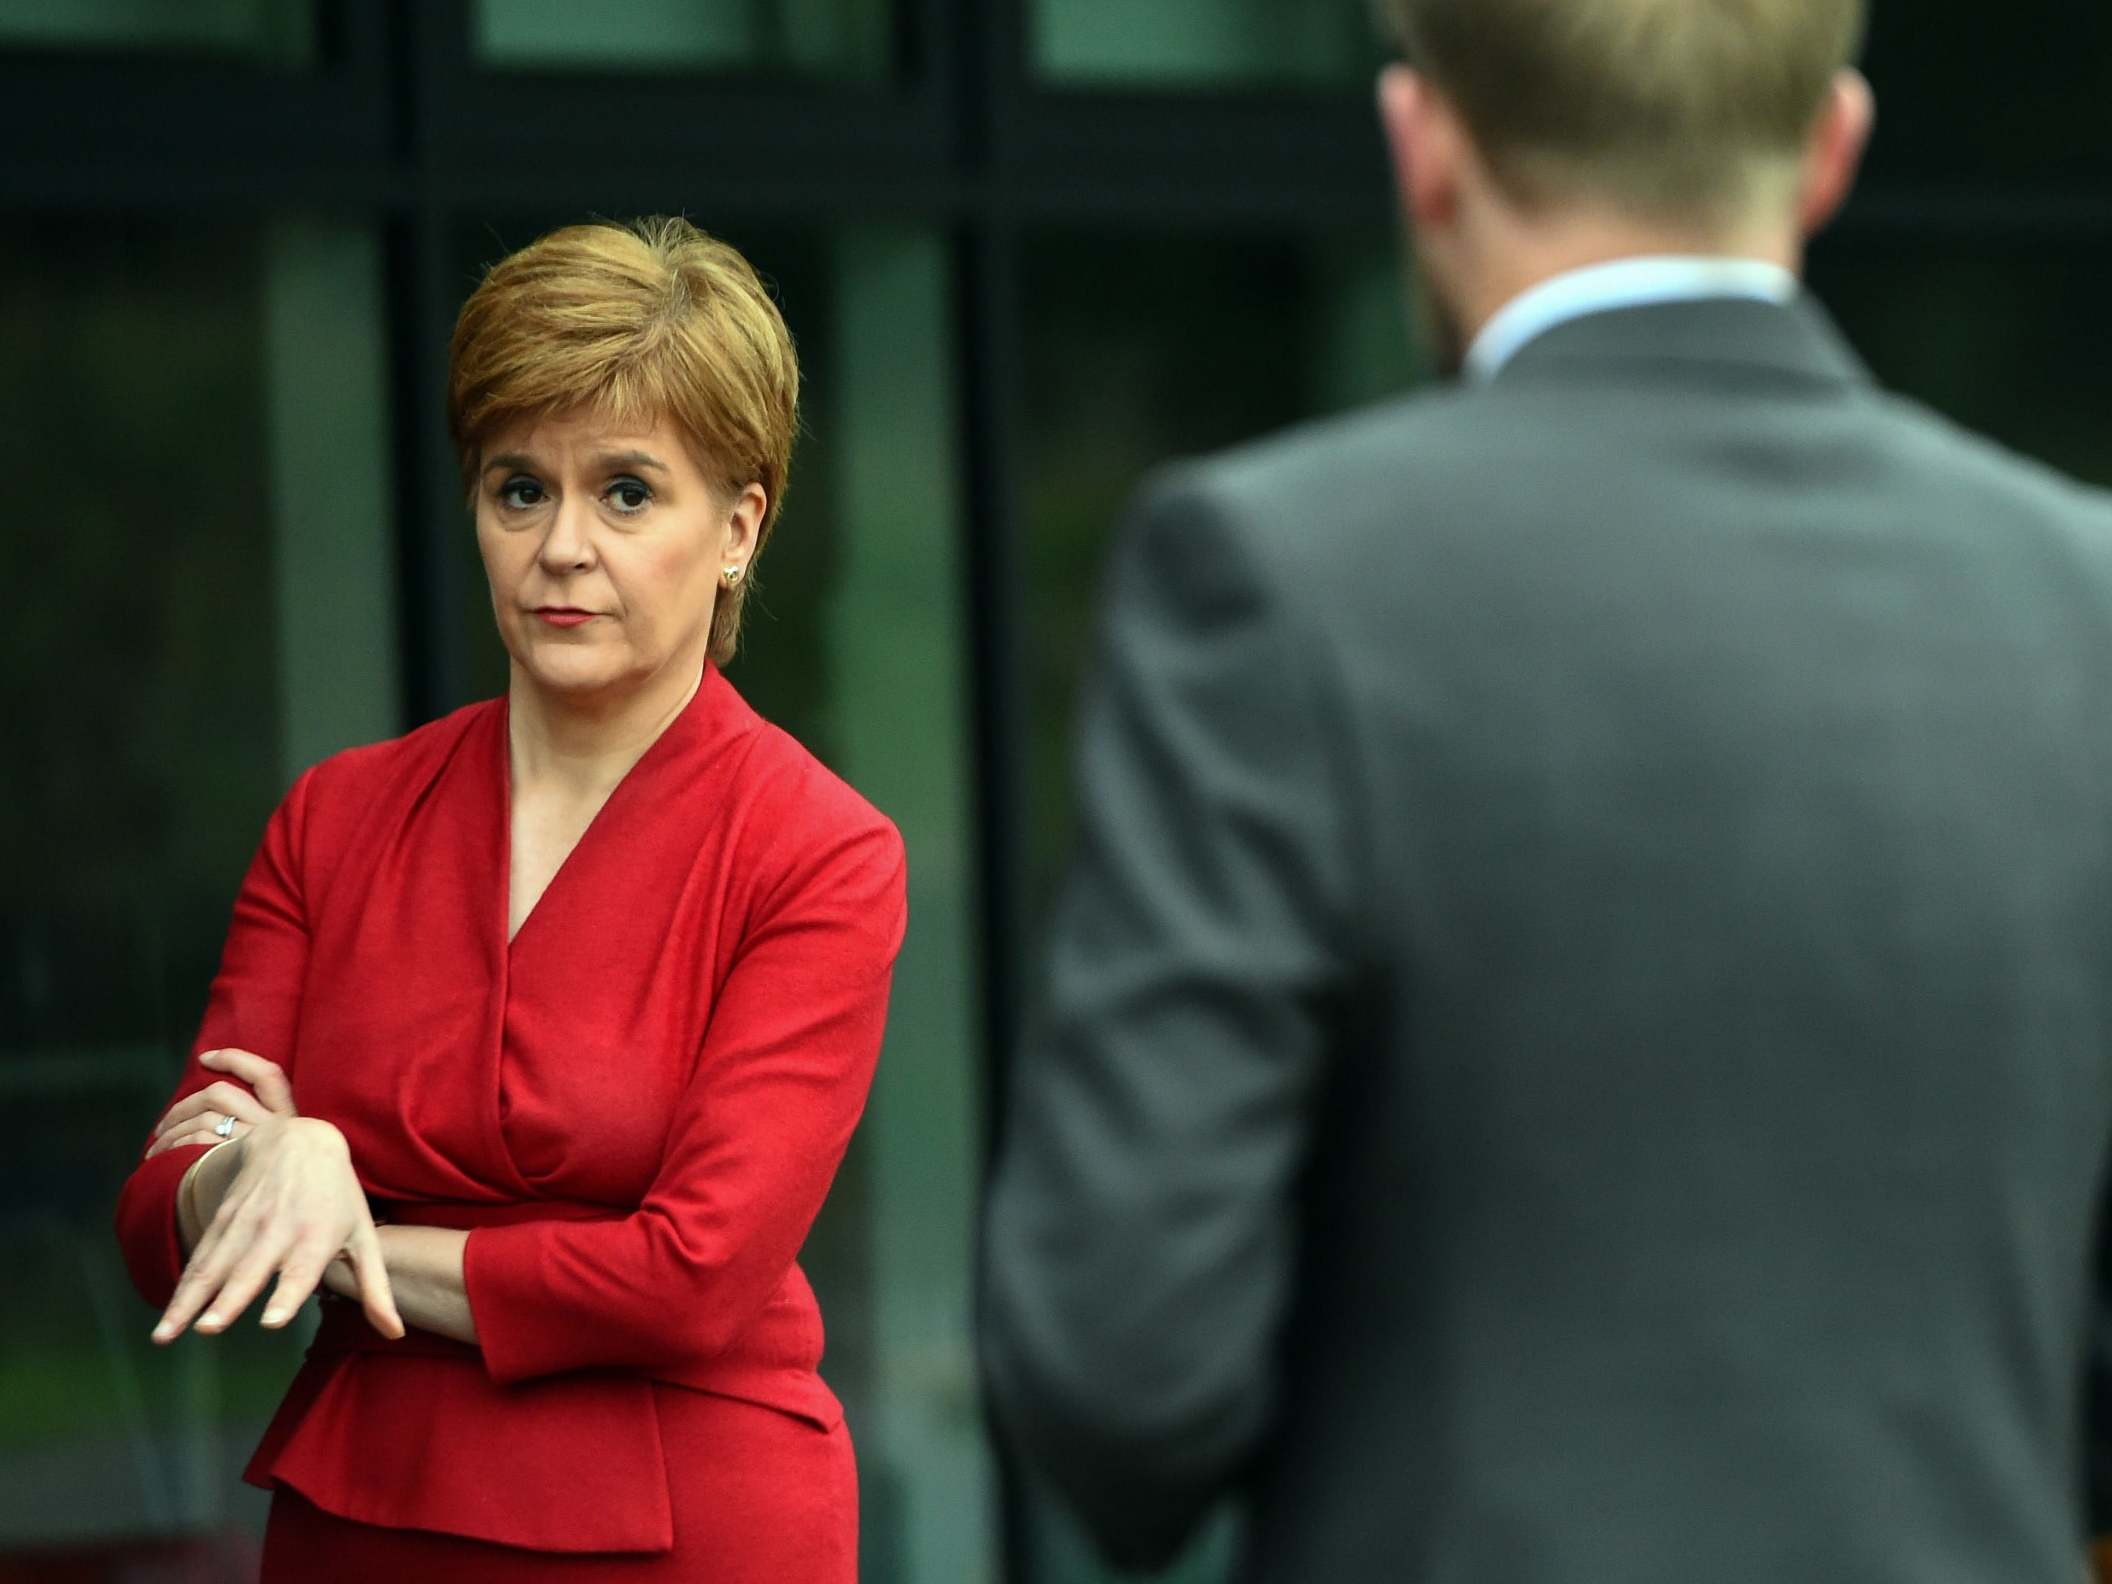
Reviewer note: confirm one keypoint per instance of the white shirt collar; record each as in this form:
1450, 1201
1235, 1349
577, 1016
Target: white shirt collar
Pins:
1625, 283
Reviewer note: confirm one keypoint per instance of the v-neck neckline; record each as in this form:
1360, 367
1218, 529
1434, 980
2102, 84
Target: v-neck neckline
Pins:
674, 729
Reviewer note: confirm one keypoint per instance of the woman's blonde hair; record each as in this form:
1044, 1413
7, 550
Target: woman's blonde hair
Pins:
641, 322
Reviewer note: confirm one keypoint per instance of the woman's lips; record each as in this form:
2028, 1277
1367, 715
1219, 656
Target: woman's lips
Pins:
563, 616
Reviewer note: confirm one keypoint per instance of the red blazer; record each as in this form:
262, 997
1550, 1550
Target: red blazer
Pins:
638, 1105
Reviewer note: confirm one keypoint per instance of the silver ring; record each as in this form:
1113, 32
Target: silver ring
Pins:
225, 1127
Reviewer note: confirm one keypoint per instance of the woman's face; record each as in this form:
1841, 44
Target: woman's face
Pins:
605, 549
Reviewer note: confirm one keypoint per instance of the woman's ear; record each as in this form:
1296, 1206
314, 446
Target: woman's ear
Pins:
744, 527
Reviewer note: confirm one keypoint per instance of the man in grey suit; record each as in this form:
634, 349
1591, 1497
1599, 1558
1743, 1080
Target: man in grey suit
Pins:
1578, 1043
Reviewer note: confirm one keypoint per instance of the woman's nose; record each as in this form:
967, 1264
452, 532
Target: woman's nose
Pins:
569, 545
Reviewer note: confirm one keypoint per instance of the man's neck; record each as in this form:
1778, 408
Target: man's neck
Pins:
1530, 257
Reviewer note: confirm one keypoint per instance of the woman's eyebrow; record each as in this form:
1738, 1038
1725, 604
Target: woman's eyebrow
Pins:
635, 459
601, 462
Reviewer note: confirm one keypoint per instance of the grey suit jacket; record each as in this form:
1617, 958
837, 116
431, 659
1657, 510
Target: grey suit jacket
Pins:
1578, 1044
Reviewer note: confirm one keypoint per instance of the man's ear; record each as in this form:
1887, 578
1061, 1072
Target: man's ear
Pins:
1423, 134
1833, 155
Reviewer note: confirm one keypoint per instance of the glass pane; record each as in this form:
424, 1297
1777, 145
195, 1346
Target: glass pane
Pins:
825, 38
2037, 92
280, 32
1204, 44
854, 644
2009, 340
209, 427
1211, 341
1968, 91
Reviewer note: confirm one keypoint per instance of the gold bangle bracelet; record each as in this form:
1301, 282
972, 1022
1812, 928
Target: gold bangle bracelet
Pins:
187, 1190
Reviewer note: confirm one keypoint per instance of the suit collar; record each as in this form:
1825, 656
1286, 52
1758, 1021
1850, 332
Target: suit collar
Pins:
1621, 283
1796, 340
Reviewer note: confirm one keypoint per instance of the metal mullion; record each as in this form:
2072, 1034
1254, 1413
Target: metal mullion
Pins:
116, 180
421, 303
1201, 148
177, 111
927, 62
1981, 215
667, 118
990, 313
1153, 202
803, 129
428, 39
987, 74
1096, 156
757, 189
988, 82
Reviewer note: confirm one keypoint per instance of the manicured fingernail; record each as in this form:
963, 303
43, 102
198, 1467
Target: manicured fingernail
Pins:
208, 1319
164, 1331
273, 1316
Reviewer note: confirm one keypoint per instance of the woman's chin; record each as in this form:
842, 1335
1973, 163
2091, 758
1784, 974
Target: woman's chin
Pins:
572, 673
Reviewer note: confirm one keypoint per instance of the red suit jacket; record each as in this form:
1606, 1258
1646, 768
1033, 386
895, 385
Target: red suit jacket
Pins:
637, 1106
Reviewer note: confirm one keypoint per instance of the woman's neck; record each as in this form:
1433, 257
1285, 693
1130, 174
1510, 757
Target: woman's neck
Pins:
585, 747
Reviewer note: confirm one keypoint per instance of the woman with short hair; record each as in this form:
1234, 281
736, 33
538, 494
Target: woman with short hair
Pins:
539, 1033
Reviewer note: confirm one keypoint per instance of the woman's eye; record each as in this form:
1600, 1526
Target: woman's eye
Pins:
628, 495
520, 494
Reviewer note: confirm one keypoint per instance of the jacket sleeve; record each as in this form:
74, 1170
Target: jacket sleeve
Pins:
254, 1005
1140, 1241
779, 1084
2097, 1400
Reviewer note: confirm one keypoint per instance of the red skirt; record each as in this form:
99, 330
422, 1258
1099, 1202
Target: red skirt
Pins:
759, 1497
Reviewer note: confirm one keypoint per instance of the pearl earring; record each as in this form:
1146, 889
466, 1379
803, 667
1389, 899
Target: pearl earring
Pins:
733, 576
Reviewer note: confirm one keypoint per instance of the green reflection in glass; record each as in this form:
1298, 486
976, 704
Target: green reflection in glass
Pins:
1209, 342
2005, 337
212, 612
275, 32
1207, 44
2046, 125
856, 644
823, 38
897, 648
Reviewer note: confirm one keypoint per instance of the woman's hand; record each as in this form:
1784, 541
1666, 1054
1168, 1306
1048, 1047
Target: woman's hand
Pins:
425, 1279
196, 1118
293, 1205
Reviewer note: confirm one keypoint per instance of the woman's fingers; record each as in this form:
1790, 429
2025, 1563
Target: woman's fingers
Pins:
299, 1274
265, 1076
200, 1130
255, 1091
201, 1277
250, 1271
294, 1202
374, 1294
215, 1100
186, 1302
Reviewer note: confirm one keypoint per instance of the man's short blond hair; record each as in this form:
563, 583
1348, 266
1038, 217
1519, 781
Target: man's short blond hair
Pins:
637, 323
1681, 110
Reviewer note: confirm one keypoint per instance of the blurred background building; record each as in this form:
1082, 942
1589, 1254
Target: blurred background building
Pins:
1028, 247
